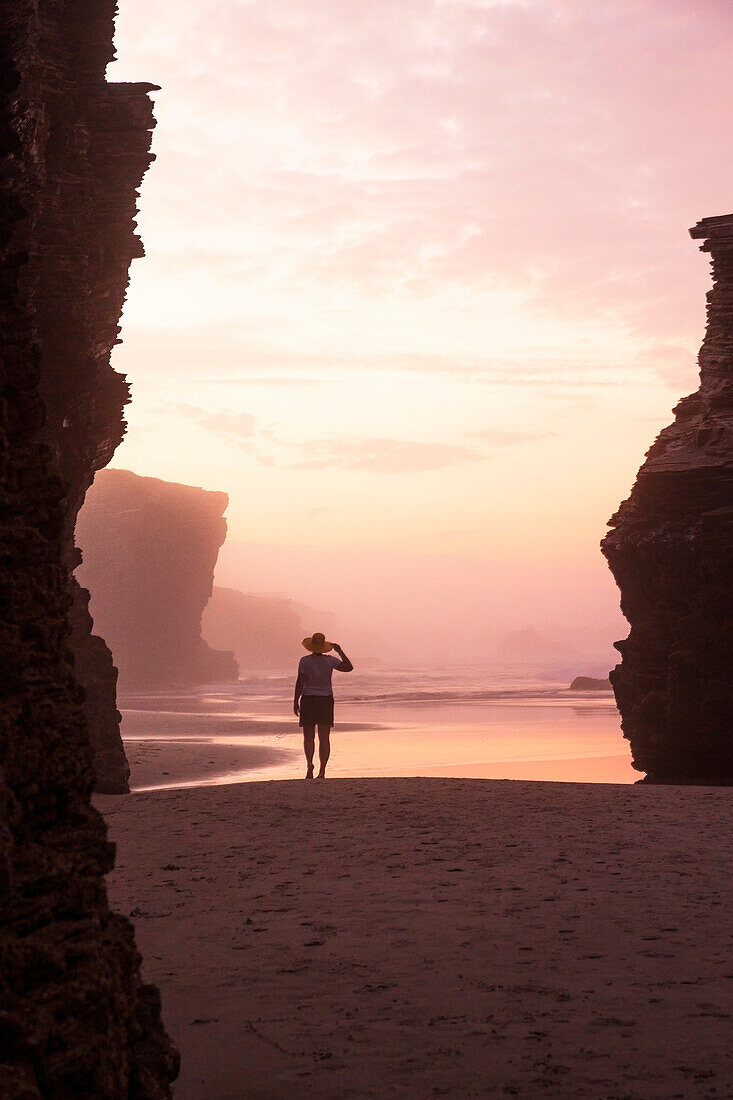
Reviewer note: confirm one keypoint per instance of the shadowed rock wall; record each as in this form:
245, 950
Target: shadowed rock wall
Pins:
75, 1019
671, 552
149, 549
90, 147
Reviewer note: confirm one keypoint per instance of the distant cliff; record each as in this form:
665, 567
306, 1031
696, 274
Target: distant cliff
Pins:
671, 552
149, 549
264, 632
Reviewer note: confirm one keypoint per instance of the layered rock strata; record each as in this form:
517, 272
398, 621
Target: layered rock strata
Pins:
90, 147
149, 550
671, 552
75, 1018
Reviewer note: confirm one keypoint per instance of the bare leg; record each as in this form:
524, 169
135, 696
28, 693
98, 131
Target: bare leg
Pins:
324, 748
309, 747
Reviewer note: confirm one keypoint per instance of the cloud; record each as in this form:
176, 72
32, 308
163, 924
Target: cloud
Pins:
374, 455
236, 426
542, 368
558, 147
240, 427
493, 197
496, 438
367, 455
371, 455
382, 456
675, 366
267, 380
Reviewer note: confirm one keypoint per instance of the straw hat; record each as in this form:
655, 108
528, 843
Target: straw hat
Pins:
317, 643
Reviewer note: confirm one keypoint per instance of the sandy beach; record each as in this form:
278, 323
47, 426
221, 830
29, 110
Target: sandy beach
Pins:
435, 937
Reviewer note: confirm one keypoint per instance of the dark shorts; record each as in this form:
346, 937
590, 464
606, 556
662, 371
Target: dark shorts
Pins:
316, 710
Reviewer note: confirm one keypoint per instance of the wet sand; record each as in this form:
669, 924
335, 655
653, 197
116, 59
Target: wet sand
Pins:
217, 737
435, 937
160, 763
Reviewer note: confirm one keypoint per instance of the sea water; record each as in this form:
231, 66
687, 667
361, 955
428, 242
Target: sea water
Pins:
473, 721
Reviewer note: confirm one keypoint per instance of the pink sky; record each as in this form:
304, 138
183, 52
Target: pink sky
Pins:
418, 279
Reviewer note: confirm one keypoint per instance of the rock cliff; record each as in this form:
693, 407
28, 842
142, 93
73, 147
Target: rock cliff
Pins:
149, 550
90, 145
671, 552
76, 1020
264, 632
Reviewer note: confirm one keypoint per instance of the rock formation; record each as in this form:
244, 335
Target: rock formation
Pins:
75, 1019
671, 552
264, 632
589, 683
90, 144
149, 550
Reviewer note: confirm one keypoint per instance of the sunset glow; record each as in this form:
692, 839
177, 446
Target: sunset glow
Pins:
418, 279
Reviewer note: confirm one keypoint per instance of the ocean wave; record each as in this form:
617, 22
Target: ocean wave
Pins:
458, 696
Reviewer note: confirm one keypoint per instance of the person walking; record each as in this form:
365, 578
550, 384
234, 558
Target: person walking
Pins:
313, 702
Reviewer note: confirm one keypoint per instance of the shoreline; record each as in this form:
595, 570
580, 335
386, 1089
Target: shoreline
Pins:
221, 738
420, 937
162, 763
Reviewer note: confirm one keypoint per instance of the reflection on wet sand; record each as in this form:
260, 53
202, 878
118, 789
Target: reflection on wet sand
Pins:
225, 736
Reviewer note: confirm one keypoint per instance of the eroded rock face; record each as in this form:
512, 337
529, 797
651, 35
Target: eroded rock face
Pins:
89, 147
75, 1018
671, 552
149, 550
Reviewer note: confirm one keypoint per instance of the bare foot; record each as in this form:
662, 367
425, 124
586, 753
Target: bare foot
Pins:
309, 773
321, 775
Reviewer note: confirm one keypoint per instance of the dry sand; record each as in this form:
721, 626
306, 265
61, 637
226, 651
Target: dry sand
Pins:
435, 937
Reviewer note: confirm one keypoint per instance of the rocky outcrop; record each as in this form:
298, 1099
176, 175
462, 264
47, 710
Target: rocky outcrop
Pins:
589, 683
149, 550
671, 552
264, 632
75, 1018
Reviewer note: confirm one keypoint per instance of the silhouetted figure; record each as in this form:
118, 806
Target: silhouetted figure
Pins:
313, 700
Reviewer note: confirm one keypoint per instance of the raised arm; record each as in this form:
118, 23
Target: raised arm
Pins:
298, 693
346, 665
